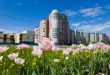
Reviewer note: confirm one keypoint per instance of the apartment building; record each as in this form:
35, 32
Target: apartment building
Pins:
1, 37
72, 37
42, 30
24, 37
56, 28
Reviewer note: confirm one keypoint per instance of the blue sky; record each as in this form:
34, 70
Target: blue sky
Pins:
83, 15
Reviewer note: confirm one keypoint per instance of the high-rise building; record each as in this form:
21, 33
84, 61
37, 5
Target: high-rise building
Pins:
96, 37
87, 37
42, 30
77, 37
58, 28
104, 38
101, 37
72, 37
82, 39
54, 25
92, 37
84, 35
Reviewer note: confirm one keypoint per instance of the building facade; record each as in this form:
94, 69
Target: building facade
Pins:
56, 28
24, 37
92, 37
42, 30
1, 37
6, 38
72, 37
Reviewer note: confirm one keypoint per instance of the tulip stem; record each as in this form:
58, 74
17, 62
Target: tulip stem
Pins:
44, 60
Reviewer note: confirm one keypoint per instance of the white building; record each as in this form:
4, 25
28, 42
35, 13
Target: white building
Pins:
42, 30
54, 25
58, 28
25, 37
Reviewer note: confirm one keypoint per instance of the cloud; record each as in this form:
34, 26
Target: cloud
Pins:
92, 28
15, 29
69, 13
76, 24
91, 12
8, 31
101, 27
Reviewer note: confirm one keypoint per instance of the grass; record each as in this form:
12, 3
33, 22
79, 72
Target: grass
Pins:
84, 63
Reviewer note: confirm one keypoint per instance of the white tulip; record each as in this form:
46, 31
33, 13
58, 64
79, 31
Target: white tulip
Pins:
19, 61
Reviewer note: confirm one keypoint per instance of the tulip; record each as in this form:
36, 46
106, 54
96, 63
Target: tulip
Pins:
19, 61
66, 52
91, 46
76, 51
45, 43
3, 49
73, 45
13, 56
23, 46
37, 51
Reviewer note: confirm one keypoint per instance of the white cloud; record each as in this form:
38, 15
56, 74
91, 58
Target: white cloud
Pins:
69, 13
93, 28
76, 24
14, 29
101, 27
91, 12
7, 31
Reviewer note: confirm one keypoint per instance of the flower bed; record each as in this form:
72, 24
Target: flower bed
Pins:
47, 59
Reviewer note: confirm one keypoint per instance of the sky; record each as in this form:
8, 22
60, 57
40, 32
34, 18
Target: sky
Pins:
83, 15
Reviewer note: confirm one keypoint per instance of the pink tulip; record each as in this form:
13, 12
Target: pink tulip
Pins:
66, 52
23, 46
19, 61
76, 51
3, 49
91, 46
45, 43
54, 48
83, 46
37, 51
13, 56
43, 40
